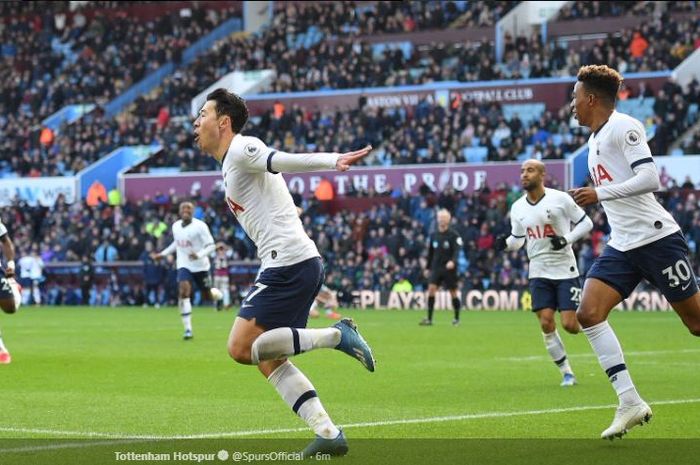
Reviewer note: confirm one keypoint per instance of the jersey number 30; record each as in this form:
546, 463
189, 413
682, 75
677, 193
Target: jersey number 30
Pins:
677, 273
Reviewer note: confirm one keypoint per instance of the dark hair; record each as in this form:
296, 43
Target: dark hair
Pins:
231, 105
601, 79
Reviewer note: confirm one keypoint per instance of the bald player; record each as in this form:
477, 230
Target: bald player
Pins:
443, 251
193, 243
542, 218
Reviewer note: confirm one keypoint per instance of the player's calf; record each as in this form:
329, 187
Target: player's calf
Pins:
689, 312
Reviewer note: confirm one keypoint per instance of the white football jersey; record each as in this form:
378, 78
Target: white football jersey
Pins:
3, 229
262, 204
192, 239
551, 216
613, 151
31, 267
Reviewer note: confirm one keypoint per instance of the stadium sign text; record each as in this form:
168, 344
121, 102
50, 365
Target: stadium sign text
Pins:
489, 300
507, 94
38, 191
462, 177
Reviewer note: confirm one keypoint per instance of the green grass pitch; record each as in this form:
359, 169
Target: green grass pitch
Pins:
126, 372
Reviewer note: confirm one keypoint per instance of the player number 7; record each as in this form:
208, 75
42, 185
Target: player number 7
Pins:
259, 287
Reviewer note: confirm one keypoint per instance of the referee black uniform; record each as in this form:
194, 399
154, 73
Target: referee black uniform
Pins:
444, 246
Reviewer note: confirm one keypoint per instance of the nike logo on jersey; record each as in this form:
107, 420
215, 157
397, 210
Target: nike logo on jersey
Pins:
687, 285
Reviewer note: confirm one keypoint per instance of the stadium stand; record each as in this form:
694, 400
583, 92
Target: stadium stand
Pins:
362, 249
429, 63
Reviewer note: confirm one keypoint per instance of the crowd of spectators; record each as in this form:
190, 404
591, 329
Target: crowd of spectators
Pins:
604, 9
425, 133
692, 145
55, 56
348, 18
613, 9
672, 114
362, 250
339, 60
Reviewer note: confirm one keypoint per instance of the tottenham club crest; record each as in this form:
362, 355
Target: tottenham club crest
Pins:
632, 137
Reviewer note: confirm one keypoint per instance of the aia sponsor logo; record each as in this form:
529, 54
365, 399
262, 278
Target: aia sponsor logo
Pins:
234, 207
600, 174
540, 232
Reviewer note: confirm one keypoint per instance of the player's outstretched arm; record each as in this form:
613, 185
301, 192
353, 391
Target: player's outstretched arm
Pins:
283, 162
348, 159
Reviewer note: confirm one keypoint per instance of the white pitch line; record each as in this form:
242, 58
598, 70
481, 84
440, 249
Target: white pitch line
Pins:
121, 438
528, 358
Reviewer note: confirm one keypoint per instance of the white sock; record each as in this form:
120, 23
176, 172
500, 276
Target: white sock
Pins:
2, 345
556, 350
298, 392
36, 293
186, 313
607, 348
284, 342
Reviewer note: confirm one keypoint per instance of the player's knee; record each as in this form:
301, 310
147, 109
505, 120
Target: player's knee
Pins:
239, 353
571, 327
694, 328
547, 325
587, 317
8, 306
9, 309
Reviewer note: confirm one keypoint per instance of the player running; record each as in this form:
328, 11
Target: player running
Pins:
10, 291
193, 242
645, 241
543, 219
271, 323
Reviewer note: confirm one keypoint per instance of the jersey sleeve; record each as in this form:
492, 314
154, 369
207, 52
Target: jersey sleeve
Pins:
431, 251
516, 228
208, 245
631, 138
457, 244
255, 156
573, 211
3, 230
252, 154
207, 238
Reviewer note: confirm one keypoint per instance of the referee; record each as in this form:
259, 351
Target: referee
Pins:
445, 244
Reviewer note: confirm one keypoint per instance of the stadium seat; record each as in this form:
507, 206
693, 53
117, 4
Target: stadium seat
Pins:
527, 112
476, 154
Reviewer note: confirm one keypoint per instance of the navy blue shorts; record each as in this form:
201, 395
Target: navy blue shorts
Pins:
664, 263
557, 294
199, 278
282, 296
5, 288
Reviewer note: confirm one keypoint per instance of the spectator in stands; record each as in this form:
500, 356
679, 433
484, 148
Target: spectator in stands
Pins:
106, 252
